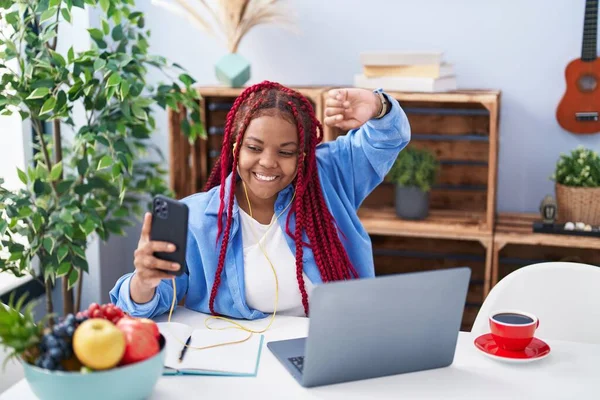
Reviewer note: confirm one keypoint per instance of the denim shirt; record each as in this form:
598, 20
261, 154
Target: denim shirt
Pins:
349, 169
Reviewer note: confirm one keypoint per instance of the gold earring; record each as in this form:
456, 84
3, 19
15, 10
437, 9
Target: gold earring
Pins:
233, 149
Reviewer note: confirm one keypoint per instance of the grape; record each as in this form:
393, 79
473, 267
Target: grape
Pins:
70, 331
69, 319
48, 363
56, 354
49, 341
59, 330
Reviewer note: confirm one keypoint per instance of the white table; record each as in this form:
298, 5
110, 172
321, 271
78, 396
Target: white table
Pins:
571, 371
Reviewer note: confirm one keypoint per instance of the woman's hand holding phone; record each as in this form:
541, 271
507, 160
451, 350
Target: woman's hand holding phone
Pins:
149, 269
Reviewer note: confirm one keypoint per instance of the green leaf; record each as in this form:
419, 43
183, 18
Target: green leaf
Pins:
63, 186
49, 274
63, 269
139, 112
117, 33
96, 34
37, 221
73, 277
48, 243
48, 106
48, 14
120, 213
82, 166
105, 27
39, 93
58, 58
56, 171
66, 13
114, 80
22, 176
62, 252
99, 64
79, 252
188, 80
53, 3
105, 4
88, 227
61, 100
70, 55
47, 83
124, 89
40, 187
81, 263
105, 162
25, 212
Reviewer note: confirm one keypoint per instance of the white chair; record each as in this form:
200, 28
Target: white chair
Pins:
565, 296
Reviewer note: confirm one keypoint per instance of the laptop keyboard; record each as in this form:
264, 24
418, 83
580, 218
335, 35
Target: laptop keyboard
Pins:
298, 362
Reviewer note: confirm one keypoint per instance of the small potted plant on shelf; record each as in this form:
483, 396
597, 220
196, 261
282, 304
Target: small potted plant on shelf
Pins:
577, 178
414, 172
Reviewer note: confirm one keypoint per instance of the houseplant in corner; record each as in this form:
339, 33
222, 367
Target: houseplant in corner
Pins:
577, 185
94, 164
413, 174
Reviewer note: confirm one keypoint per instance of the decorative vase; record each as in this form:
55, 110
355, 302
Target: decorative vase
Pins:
578, 204
411, 202
233, 70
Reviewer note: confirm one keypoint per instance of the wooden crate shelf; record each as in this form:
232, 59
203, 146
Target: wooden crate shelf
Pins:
440, 224
515, 245
402, 254
461, 129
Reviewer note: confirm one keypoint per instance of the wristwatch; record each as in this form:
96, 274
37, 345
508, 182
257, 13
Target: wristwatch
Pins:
385, 104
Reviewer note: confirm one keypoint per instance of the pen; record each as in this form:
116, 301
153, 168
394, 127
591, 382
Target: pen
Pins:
187, 343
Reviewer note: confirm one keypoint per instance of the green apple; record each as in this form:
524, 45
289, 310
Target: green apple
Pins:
98, 343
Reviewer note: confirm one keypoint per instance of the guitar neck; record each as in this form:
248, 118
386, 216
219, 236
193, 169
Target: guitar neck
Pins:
590, 28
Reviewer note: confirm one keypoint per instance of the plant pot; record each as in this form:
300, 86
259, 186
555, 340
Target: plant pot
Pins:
411, 202
130, 382
578, 204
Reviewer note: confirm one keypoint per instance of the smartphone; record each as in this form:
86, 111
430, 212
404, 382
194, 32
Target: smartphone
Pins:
170, 224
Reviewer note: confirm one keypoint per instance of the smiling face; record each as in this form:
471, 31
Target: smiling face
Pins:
268, 157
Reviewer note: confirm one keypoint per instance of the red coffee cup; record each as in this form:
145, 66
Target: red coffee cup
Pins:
513, 330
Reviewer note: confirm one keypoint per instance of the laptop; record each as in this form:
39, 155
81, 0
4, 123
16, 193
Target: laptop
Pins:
376, 327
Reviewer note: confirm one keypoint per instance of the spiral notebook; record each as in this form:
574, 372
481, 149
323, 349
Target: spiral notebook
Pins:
239, 359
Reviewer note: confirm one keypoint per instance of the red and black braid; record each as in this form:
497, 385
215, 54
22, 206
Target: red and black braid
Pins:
311, 212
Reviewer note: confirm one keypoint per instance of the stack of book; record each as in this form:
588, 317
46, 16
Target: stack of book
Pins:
406, 72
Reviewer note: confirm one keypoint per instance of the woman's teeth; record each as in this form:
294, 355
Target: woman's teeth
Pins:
264, 177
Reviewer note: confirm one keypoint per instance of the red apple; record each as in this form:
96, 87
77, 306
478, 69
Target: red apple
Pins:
139, 344
127, 322
151, 326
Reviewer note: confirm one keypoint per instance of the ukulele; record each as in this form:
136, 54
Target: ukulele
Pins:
578, 109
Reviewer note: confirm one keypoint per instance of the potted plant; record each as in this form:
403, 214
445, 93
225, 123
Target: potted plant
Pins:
99, 99
577, 185
413, 174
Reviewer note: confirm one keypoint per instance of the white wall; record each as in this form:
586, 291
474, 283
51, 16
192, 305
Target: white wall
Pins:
519, 47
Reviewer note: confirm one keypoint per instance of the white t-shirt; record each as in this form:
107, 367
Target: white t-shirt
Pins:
259, 280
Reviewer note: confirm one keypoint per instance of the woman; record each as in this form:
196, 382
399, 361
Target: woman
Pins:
261, 237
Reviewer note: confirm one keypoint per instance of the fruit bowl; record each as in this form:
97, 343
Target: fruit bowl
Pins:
128, 382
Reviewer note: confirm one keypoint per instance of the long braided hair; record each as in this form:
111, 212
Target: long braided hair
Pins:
312, 214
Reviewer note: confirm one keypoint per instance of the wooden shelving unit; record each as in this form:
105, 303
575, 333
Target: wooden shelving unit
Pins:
462, 130
515, 240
